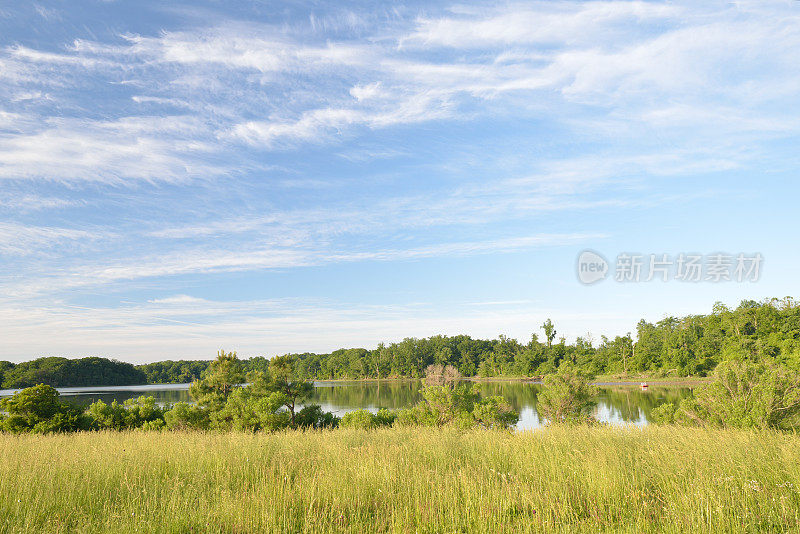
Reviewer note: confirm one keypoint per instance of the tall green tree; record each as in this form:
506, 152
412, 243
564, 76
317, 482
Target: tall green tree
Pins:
285, 380
220, 379
549, 332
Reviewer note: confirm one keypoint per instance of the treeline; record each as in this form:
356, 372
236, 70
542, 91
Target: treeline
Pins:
63, 372
174, 372
186, 371
94, 371
675, 346
686, 346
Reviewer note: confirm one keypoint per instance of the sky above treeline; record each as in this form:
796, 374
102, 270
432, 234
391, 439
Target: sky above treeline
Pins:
269, 177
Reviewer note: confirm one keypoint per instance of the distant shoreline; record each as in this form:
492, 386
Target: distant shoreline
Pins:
687, 381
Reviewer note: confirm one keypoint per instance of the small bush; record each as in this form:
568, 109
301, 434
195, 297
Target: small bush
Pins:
664, 414
495, 412
419, 415
185, 416
567, 396
107, 416
743, 394
365, 419
385, 417
457, 406
312, 416
441, 375
155, 424
132, 414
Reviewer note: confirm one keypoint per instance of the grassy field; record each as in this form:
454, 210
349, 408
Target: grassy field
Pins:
402, 480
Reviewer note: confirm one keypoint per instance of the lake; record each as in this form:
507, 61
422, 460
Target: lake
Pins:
615, 404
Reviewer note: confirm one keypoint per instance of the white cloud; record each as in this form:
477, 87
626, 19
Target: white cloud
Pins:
171, 141
47, 13
240, 47
129, 148
36, 56
311, 126
367, 91
109, 273
538, 23
503, 245
29, 202
241, 80
321, 124
178, 299
21, 240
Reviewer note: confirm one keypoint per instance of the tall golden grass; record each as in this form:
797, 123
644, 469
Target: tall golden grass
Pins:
402, 480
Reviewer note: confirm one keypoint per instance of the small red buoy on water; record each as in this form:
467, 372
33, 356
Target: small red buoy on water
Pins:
644, 386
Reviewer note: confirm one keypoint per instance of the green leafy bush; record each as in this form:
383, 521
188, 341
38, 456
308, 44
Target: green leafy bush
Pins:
132, 414
365, 419
664, 414
458, 406
743, 394
252, 411
567, 396
107, 416
495, 412
38, 409
312, 416
185, 416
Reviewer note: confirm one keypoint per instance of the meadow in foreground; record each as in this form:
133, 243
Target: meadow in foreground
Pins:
563, 478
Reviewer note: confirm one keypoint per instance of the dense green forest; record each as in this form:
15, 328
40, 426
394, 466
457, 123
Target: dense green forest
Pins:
185, 371
674, 346
63, 372
174, 372
687, 346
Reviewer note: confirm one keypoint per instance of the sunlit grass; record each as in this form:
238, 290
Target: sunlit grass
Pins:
402, 480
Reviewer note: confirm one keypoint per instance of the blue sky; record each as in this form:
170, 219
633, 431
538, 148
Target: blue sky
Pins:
267, 177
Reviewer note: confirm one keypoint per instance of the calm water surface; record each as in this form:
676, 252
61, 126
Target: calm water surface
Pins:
615, 404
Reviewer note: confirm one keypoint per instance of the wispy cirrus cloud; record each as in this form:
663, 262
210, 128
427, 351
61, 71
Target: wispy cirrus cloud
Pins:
321, 125
208, 260
198, 146
134, 148
607, 54
537, 23
20, 240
